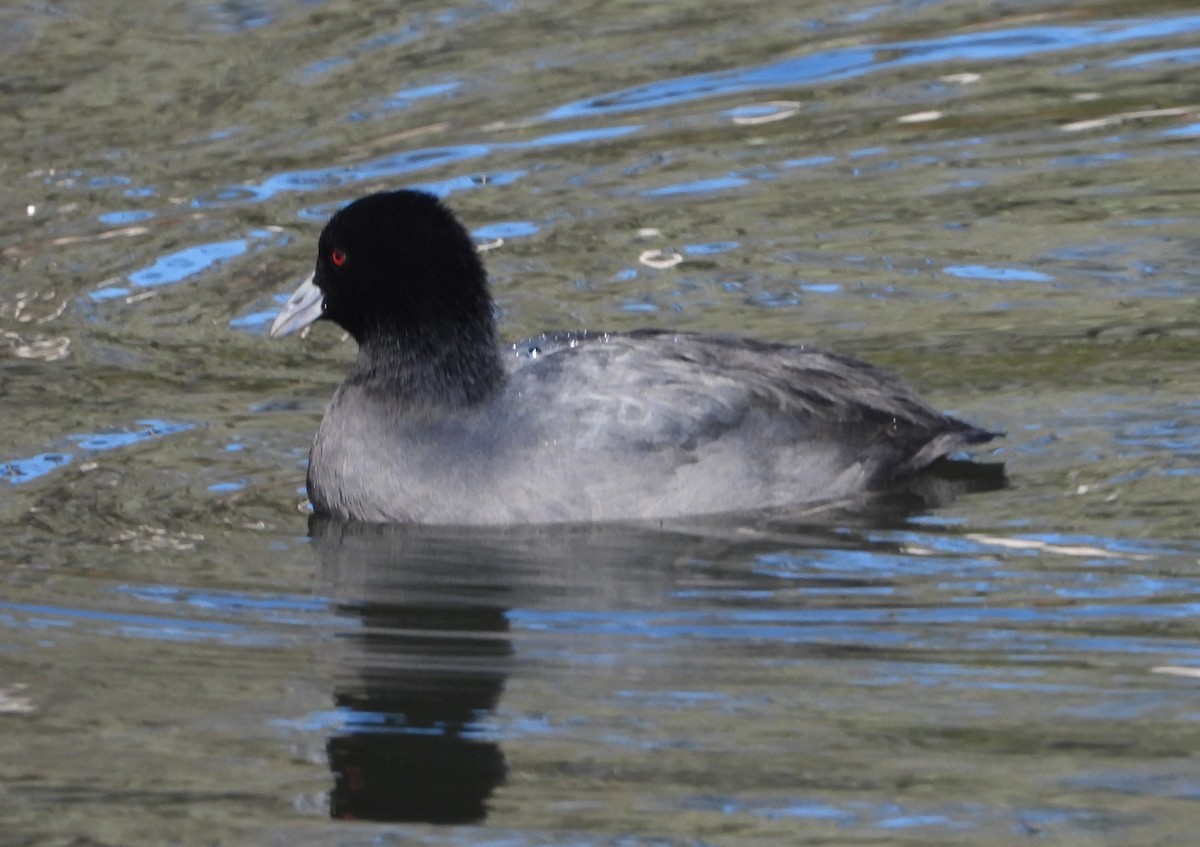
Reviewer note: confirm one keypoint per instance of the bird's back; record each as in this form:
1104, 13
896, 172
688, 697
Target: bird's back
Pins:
649, 424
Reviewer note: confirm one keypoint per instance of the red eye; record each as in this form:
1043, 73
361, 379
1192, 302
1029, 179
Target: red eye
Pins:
338, 257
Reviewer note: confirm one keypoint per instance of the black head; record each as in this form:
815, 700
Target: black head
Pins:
399, 261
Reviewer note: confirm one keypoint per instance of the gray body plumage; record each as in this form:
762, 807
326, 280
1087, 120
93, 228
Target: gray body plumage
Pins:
644, 425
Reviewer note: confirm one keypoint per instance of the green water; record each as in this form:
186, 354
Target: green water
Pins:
997, 202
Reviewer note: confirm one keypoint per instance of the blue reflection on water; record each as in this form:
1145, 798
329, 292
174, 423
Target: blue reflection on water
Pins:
182, 264
506, 229
799, 626
734, 180
120, 218
850, 62
24, 470
997, 274
288, 608
809, 161
405, 34
226, 487
698, 186
30, 615
398, 164
890, 815
315, 179
710, 248
1186, 56
466, 182
1187, 131
402, 99
107, 181
175, 267
20, 471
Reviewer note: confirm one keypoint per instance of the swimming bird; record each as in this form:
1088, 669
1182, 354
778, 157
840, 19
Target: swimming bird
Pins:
438, 423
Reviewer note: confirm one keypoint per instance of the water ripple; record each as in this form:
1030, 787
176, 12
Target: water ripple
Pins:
851, 62
19, 471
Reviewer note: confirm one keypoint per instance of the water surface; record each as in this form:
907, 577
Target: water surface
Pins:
998, 203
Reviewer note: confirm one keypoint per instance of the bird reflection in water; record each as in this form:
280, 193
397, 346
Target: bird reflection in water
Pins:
416, 678
425, 651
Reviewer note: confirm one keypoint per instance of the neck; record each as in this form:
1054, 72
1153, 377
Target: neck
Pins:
431, 367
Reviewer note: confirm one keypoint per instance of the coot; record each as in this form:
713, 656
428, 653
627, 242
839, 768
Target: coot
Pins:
437, 423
